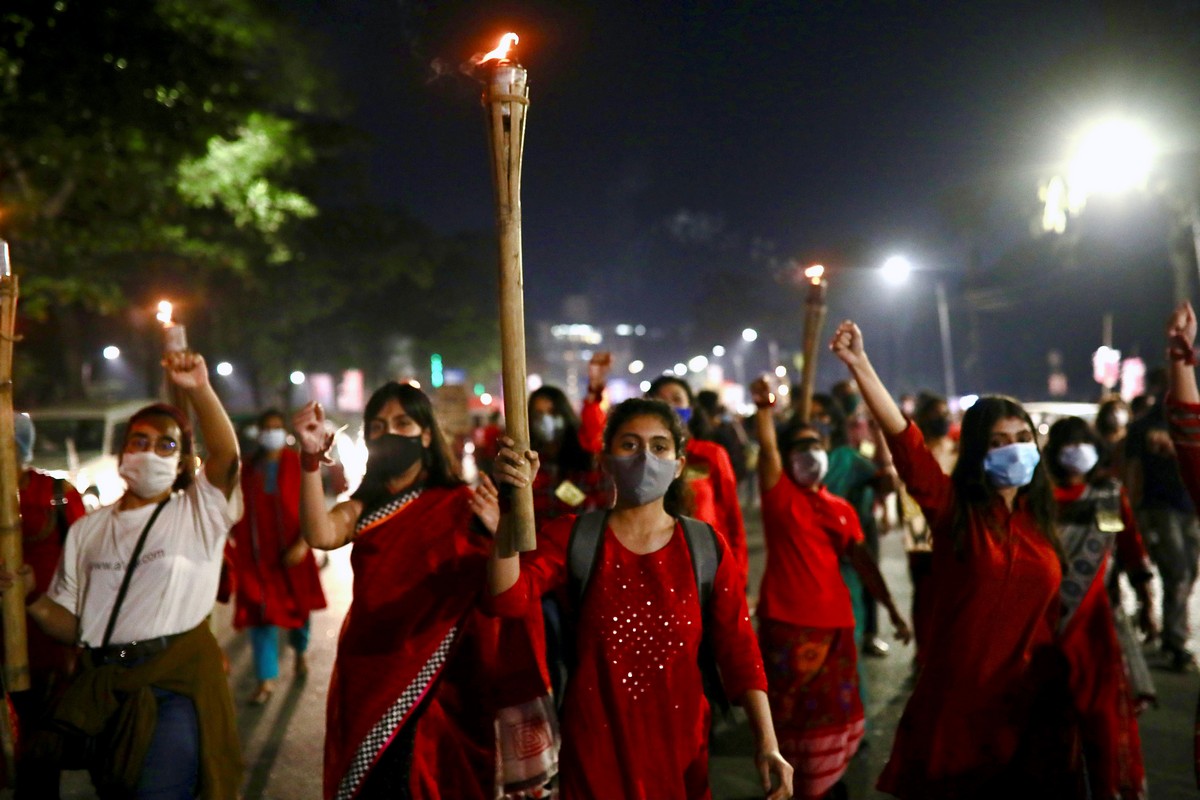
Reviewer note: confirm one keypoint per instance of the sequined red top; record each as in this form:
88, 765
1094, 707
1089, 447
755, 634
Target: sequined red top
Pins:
635, 720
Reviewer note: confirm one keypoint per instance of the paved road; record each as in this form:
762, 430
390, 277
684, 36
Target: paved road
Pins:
283, 739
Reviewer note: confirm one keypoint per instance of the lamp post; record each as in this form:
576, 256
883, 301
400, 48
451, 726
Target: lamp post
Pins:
896, 271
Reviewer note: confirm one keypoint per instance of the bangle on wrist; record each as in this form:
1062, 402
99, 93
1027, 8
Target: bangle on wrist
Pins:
310, 462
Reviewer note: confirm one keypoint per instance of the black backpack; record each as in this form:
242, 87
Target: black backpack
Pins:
583, 548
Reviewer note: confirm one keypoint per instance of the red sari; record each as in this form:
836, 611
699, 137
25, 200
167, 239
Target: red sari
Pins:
635, 718
416, 654
267, 591
970, 729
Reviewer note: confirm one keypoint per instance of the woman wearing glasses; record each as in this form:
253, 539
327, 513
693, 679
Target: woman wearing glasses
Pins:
134, 588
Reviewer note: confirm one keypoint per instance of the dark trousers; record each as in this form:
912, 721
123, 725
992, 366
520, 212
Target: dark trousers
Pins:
172, 767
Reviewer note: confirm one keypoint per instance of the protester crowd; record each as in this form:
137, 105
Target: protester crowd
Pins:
600, 664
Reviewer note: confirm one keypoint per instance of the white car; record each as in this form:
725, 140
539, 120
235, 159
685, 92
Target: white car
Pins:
81, 442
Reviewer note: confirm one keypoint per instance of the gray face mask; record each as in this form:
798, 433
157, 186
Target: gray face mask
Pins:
641, 478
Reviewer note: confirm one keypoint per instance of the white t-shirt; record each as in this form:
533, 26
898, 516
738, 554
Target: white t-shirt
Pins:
175, 583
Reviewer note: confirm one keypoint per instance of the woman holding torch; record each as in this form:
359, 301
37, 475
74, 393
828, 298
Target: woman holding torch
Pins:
990, 714
417, 682
635, 717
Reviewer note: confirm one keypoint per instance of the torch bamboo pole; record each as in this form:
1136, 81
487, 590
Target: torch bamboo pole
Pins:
814, 320
16, 655
505, 99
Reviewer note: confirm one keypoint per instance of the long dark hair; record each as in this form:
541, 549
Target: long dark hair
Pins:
187, 445
699, 425
972, 487
1068, 430
571, 455
440, 469
678, 500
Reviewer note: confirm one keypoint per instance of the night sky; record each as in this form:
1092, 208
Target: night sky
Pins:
669, 141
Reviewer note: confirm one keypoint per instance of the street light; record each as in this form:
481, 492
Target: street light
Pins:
698, 364
749, 335
896, 270
111, 353
297, 378
635, 367
680, 369
718, 351
1113, 156
224, 369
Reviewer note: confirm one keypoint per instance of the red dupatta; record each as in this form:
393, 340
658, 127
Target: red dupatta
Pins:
418, 570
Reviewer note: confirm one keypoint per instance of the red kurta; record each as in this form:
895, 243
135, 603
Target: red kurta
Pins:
269, 593
996, 607
635, 719
414, 649
714, 485
1103, 699
42, 546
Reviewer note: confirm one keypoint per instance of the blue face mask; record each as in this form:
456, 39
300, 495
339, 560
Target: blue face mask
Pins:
685, 414
1011, 465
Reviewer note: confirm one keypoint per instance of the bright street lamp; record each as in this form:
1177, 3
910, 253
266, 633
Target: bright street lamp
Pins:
297, 378
111, 353
635, 367
749, 335
224, 369
680, 369
896, 270
718, 351
698, 364
1113, 156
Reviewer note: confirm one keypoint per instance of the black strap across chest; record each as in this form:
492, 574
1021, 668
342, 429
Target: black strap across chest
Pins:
133, 560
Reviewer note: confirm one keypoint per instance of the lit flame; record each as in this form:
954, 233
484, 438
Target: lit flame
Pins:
501, 52
164, 312
814, 274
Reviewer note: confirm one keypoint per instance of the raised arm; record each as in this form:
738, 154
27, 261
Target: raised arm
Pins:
770, 463
321, 527
188, 371
1181, 337
847, 345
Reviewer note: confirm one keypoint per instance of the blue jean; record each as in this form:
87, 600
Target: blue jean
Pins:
264, 641
171, 770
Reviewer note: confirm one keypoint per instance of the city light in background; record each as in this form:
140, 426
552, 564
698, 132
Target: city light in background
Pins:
749, 335
297, 378
896, 270
225, 369
718, 351
111, 353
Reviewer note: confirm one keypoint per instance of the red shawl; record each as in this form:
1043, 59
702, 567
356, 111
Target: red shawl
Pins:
268, 593
414, 648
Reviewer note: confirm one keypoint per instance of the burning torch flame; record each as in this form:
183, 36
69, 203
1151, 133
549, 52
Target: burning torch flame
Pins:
164, 312
814, 274
501, 52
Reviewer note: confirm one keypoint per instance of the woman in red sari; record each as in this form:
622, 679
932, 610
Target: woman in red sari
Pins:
709, 473
990, 715
413, 699
635, 716
276, 574
1095, 522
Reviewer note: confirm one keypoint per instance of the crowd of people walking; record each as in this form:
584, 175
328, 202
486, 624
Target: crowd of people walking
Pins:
600, 664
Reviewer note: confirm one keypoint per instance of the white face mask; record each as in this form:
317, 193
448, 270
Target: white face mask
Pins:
273, 439
149, 474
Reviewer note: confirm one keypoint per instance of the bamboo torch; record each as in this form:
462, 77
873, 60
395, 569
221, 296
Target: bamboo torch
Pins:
16, 654
505, 100
174, 341
814, 320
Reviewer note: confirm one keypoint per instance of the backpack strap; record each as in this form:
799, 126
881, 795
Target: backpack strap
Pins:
706, 556
583, 549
